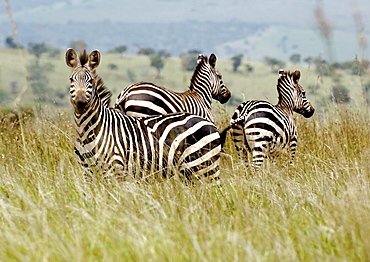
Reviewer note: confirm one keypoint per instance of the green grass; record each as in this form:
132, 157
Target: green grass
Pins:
315, 210
260, 84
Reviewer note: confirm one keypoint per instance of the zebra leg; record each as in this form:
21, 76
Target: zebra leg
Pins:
292, 149
258, 154
240, 143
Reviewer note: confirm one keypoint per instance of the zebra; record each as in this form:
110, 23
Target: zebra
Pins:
265, 129
131, 147
145, 99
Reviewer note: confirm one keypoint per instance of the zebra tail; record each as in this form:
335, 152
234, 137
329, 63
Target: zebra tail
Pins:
224, 132
223, 135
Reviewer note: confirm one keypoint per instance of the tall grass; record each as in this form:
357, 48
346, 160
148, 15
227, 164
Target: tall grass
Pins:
315, 210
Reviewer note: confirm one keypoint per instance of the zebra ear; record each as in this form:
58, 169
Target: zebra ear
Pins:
94, 59
71, 58
296, 76
212, 60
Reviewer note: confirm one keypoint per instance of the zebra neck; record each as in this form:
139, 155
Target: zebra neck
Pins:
287, 108
203, 91
90, 118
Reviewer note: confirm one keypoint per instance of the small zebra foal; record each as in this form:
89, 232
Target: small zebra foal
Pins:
130, 147
146, 99
265, 129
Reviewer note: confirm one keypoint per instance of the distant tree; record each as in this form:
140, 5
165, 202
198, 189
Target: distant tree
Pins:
119, 49
360, 66
367, 92
341, 94
78, 45
39, 80
10, 43
163, 53
146, 51
37, 49
308, 60
14, 87
4, 95
322, 67
194, 52
112, 66
237, 60
249, 68
156, 58
295, 58
54, 52
189, 60
157, 62
274, 63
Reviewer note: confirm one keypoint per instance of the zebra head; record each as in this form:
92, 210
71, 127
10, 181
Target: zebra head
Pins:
83, 78
290, 90
206, 76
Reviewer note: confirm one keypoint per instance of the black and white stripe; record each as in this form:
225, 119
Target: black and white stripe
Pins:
126, 146
266, 130
146, 99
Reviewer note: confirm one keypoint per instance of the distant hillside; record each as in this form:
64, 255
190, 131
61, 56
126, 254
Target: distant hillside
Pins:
254, 28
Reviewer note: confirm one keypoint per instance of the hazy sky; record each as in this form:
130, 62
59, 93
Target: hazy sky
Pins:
295, 13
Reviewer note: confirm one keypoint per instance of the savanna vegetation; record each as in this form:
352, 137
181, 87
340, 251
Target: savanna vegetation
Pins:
314, 210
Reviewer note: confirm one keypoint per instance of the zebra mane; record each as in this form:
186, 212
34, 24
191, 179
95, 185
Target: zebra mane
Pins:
84, 58
202, 59
292, 76
103, 93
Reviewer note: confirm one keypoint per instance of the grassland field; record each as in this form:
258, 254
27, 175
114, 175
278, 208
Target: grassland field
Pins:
317, 209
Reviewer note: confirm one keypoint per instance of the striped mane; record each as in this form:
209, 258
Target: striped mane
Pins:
203, 59
84, 58
103, 93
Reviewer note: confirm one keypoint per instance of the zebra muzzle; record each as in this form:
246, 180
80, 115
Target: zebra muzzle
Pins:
310, 113
225, 96
80, 101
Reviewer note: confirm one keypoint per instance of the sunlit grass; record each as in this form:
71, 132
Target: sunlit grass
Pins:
315, 210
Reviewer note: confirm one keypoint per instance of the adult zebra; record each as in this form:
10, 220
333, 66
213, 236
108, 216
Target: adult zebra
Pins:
131, 147
145, 99
265, 129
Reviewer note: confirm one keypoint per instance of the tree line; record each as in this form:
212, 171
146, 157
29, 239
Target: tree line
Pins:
39, 82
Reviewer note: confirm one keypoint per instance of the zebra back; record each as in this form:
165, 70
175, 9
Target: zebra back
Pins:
129, 147
145, 99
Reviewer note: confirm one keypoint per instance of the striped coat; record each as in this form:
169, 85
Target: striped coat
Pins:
128, 147
266, 130
146, 99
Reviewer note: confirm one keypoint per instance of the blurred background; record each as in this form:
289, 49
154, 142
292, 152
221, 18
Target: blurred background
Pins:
159, 40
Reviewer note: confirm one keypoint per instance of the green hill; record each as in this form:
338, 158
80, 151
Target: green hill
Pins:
260, 83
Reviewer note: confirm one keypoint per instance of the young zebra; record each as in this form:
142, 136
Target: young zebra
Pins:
145, 99
265, 129
135, 147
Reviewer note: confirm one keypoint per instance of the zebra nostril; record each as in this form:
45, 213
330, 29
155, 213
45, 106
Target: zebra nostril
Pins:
80, 101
